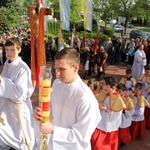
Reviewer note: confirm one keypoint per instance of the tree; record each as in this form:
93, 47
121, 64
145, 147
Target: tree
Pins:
10, 11
142, 11
125, 8
4, 22
10, 14
3, 3
130, 9
104, 8
75, 8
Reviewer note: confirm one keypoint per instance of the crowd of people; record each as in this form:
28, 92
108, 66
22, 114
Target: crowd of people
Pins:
112, 51
102, 115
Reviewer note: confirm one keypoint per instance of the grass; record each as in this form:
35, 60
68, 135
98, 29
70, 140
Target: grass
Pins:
146, 29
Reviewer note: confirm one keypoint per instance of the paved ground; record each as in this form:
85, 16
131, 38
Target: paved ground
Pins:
118, 71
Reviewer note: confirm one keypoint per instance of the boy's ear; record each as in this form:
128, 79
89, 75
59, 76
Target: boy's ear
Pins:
19, 50
76, 66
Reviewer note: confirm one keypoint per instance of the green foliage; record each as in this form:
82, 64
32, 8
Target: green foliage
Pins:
102, 36
92, 35
4, 22
75, 8
104, 8
108, 31
3, 3
80, 28
94, 25
128, 9
24, 7
53, 28
27, 25
11, 10
10, 14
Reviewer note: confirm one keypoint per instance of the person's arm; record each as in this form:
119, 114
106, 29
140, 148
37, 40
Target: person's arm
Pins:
138, 58
112, 114
139, 111
18, 89
129, 113
102, 59
103, 107
78, 135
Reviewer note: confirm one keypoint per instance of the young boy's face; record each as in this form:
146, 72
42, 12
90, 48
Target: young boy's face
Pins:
101, 83
128, 75
11, 52
137, 91
121, 92
147, 72
91, 86
106, 88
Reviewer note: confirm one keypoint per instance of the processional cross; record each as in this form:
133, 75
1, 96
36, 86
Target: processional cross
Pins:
38, 57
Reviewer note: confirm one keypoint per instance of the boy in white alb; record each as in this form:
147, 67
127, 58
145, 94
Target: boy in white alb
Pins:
145, 80
124, 130
137, 129
147, 109
129, 81
73, 106
17, 130
111, 105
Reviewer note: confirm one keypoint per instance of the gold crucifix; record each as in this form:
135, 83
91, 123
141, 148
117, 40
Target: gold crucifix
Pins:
2, 121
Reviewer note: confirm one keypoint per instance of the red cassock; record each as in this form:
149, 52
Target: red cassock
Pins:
104, 140
147, 117
137, 130
124, 136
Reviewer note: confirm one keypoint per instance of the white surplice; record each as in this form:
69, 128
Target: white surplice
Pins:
111, 120
75, 114
16, 87
127, 118
139, 111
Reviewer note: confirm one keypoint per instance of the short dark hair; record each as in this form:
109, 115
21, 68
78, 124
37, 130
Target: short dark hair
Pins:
14, 41
121, 86
95, 85
101, 78
147, 67
70, 54
110, 80
90, 81
138, 85
128, 71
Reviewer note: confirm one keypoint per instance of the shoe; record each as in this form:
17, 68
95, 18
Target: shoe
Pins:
122, 144
12, 148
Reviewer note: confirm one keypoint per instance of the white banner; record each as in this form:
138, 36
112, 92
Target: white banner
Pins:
89, 14
65, 14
